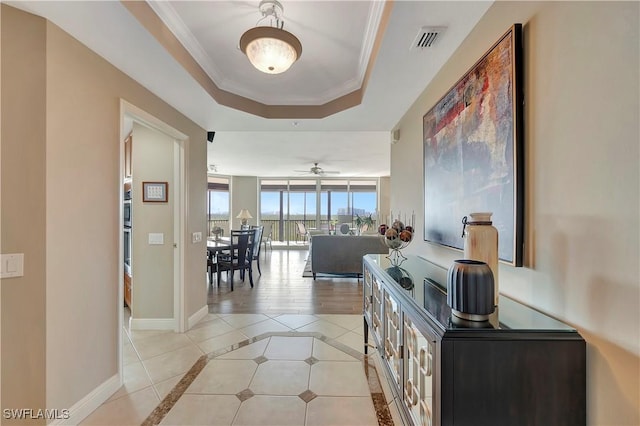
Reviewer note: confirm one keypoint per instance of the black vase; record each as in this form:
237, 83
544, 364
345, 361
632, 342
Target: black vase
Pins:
470, 290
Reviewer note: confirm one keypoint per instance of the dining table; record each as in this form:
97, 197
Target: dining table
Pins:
216, 246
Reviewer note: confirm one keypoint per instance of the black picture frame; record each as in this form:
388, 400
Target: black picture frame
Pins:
473, 140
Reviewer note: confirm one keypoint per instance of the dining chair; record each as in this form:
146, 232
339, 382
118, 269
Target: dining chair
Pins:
239, 258
212, 266
255, 255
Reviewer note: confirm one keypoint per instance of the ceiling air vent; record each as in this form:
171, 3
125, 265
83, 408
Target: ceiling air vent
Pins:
427, 36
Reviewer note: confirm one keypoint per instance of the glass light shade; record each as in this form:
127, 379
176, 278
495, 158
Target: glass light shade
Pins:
269, 49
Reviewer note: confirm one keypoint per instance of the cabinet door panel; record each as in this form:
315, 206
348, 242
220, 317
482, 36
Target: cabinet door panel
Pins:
392, 342
368, 293
376, 327
521, 374
418, 382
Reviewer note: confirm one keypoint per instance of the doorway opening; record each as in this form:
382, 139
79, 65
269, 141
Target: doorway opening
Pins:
153, 178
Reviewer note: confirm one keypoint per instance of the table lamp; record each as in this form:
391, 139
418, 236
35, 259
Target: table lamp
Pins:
244, 215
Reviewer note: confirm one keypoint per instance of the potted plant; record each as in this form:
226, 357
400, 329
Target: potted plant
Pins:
364, 223
332, 227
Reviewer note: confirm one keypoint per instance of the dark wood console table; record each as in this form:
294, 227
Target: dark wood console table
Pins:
519, 368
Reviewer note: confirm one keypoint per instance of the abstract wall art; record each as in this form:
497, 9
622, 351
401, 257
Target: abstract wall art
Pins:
473, 148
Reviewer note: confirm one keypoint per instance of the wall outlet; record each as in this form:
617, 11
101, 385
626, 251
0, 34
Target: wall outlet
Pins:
196, 237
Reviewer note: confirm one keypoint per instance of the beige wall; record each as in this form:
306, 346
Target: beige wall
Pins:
64, 144
384, 192
23, 208
244, 195
152, 265
582, 181
0, 219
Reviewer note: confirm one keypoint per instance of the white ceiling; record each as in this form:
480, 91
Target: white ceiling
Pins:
312, 80
337, 39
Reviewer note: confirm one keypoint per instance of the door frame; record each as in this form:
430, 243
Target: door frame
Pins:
179, 190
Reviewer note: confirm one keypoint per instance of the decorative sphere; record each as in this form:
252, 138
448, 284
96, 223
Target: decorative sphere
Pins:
406, 236
391, 234
382, 229
398, 226
409, 228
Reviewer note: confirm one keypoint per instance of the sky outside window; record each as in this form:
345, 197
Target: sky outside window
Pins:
219, 204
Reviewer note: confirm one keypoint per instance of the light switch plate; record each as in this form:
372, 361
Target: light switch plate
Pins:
156, 238
196, 237
12, 265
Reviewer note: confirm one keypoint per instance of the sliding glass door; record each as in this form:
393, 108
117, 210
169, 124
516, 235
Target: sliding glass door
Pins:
274, 196
335, 201
364, 199
295, 206
302, 209
218, 205
290, 206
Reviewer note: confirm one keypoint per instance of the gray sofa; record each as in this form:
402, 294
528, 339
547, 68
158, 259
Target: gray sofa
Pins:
342, 254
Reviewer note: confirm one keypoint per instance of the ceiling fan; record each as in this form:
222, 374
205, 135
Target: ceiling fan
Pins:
317, 170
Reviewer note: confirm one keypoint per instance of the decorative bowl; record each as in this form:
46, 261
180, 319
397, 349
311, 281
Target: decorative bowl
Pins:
397, 236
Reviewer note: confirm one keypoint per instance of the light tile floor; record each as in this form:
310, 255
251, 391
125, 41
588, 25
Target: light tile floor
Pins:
278, 380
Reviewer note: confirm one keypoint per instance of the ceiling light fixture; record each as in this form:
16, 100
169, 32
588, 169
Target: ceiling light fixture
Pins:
271, 49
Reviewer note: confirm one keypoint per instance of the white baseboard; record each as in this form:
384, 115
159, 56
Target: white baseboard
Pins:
195, 318
87, 405
152, 324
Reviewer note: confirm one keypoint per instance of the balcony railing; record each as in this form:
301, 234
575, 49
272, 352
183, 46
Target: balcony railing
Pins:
287, 230
284, 231
222, 223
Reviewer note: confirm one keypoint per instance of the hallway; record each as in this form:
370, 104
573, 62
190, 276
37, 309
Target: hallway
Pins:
282, 289
278, 354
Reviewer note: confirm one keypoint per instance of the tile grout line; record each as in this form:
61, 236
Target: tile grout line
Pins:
143, 366
235, 416
158, 414
306, 405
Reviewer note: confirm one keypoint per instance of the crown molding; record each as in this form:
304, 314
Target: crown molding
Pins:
158, 17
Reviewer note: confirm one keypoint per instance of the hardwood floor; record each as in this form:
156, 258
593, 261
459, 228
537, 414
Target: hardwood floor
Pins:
282, 289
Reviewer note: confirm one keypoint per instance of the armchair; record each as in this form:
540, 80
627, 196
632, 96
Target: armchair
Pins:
267, 235
301, 231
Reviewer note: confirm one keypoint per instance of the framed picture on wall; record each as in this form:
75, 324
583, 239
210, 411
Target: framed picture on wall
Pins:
155, 192
473, 151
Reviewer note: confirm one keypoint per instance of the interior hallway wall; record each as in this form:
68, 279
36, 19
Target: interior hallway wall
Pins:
23, 217
152, 265
582, 201
65, 143
385, 198
244, 195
